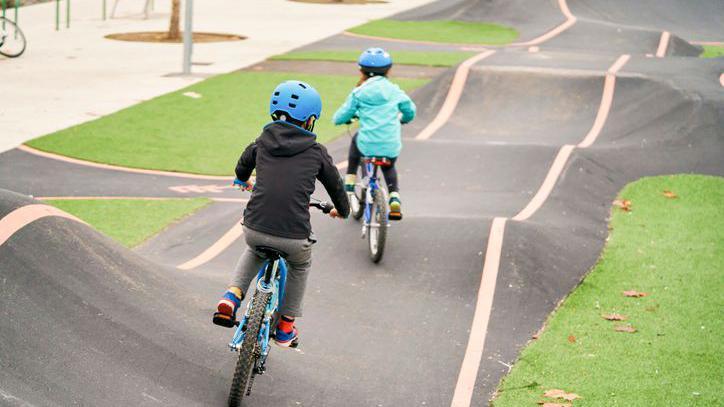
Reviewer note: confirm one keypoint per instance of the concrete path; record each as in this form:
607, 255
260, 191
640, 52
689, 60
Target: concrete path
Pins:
75, 75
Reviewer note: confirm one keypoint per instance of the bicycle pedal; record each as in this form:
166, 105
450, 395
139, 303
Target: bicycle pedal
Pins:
224, 320
395, 216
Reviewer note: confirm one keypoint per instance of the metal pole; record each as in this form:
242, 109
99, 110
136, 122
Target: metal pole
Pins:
67, 13
57, 15
188, 37
4, 5
17, 4
104, 10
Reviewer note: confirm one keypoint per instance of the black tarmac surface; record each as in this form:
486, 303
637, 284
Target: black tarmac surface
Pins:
86, 322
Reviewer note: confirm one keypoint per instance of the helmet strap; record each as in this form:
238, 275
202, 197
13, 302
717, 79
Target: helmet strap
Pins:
309, 124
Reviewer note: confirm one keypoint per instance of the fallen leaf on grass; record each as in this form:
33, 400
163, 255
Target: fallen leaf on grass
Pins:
625, 328
561, 394
192, 95
624, 204
614, 317
634, 293
571, 339
669, 194
549, 404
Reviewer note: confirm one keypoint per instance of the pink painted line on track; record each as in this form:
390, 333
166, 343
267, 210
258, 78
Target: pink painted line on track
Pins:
465, 385
134, 198
561, 159
76, 161
228, 238
715, 43
23, 216
570, 21
214, 250
467, 47
478, 331
453, 96
663, 44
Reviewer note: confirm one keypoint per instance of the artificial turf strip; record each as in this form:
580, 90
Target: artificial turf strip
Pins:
131, 221
673, 250
712, 51
204, 135
444, 31
442, 58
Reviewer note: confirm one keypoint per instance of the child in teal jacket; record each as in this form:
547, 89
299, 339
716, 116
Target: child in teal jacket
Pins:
381, 107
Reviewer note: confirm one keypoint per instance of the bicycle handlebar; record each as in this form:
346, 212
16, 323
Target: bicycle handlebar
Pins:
323, 206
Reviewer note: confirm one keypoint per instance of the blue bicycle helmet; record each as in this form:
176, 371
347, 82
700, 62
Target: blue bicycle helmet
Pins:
375, 61
296, 99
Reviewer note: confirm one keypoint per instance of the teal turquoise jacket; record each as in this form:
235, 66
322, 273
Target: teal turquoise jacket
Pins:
378, 104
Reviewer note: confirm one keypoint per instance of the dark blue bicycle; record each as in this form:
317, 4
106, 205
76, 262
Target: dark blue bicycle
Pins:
257, 327
369, 203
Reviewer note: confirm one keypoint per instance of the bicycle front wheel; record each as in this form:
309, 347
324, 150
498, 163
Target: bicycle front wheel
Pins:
12, 39
249, 350
378, 226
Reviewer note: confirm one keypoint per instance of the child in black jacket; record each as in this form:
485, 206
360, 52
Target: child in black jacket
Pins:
288, 161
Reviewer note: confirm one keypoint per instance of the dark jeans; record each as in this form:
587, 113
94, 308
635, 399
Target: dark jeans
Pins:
390, 173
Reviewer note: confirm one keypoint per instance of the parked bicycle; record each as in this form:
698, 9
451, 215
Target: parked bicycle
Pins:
254, 331
12, 39
369, 202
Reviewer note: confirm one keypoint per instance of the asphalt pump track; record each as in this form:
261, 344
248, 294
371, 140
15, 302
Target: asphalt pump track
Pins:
508, 175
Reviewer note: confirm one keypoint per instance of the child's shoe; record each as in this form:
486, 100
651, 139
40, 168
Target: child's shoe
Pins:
350, 180
395, 206
286, 334
225, 314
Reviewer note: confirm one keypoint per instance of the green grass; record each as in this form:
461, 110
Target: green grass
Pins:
712, 51
442, 58
131, 221
174, 132
459, 32
672, 249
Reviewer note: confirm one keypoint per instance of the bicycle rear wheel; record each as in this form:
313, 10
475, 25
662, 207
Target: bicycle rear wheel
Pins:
249, 350
12, 39
377, 235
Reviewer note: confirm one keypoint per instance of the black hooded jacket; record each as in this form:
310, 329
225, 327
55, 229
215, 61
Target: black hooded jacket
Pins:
288, 161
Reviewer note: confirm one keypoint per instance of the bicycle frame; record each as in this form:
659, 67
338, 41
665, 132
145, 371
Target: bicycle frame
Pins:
272, 278
370, 191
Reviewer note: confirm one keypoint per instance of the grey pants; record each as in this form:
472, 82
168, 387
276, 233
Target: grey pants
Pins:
299, 260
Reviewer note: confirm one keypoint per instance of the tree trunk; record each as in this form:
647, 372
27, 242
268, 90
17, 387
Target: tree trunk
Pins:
174, 32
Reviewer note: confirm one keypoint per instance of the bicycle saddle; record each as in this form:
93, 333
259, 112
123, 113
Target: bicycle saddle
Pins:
269, 252
379, 161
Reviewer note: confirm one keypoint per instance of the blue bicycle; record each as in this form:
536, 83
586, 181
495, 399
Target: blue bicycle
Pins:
257, 327
369, 202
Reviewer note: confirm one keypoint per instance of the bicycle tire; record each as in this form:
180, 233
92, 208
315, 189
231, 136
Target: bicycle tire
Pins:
16, 31
248, 353
379, 215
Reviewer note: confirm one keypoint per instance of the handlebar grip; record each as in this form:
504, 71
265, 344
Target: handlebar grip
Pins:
326, 207
323, 206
